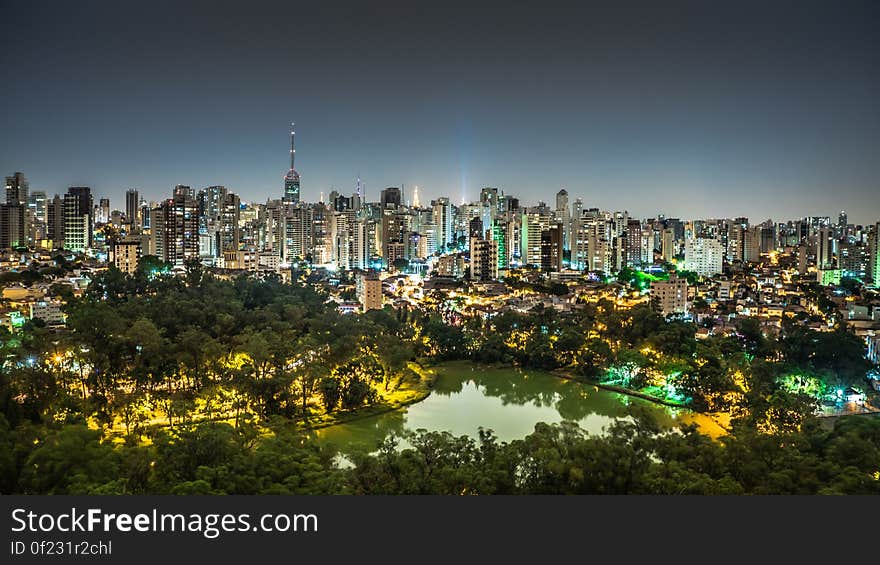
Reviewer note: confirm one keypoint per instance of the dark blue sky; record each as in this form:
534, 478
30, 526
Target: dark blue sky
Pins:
691, 109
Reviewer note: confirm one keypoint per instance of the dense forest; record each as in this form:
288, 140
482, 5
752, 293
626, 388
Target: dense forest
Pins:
163, 384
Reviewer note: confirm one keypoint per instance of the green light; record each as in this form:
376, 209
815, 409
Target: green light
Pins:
804, 384
17, 319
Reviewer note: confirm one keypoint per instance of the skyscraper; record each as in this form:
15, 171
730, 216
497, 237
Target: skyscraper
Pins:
442, 211
37, 205
297, 233
229, 231
291, 179
825, 248
14, 213
132, 207
563, 216
874, 262
483, 256
391, 197
488, 206
55, 222
175, 229
501, 235
633, 243
211, 201
704, 256
667, 245
38, 209
17, 189
103, 215
551, 249
590, 244
184, 191
395, 229
535, 221
78, 220
12, 226
145, 208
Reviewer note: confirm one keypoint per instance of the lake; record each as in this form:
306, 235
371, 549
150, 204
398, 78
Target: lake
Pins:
509, 401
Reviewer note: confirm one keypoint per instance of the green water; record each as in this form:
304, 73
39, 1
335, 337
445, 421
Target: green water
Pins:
508, 401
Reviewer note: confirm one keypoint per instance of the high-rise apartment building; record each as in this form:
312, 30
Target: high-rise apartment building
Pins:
670, 295
174, 232
17, 189
825, 247
551, 249
102, 211
591, 249
442, 211
369, 291
634, 246
668, 248
395, 231
125, 254
36, 216
14, 213
38, 206
535, 221
563, 216
228, 215
132, 208
704, 256
13, 226
78, 220
874, 263
55, 222
488, 205
391, 197
484, 257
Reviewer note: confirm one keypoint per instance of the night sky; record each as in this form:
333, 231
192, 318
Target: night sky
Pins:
687, 109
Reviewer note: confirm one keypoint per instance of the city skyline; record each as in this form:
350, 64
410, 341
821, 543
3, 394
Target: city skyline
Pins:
713, 112
118, 203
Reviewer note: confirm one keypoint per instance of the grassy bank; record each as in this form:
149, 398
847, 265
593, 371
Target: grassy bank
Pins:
722, 420
622, 390
415, 385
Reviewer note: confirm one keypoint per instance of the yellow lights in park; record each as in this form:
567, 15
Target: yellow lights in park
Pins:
58, 358
739, 379
237, 360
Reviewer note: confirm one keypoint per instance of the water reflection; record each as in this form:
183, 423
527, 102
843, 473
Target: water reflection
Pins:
508, 401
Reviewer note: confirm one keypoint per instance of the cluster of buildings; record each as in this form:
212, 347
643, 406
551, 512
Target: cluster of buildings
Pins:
21, 301
480, 241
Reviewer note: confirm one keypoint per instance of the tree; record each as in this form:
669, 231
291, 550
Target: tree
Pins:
194, 273
400, 264
752, 337
331, 392
61, 290
72, 460
312, 367
841, 354
392, 354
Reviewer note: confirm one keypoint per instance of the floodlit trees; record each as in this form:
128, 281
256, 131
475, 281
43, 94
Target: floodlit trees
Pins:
189, 374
